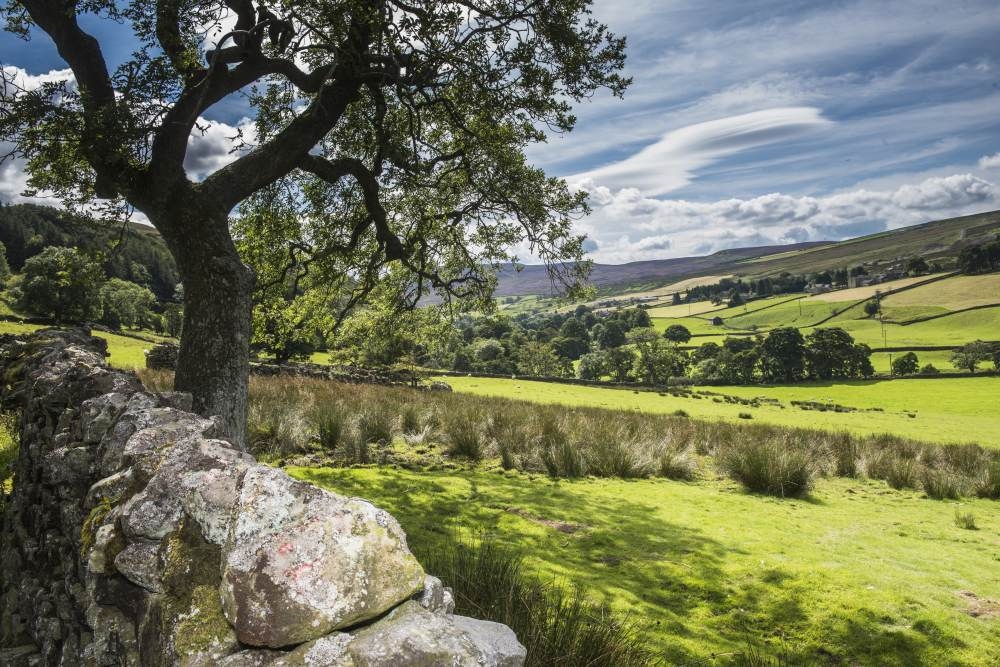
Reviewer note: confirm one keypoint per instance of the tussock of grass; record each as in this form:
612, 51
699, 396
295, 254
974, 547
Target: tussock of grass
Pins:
558, 627
464, 438
775, 466
965, 520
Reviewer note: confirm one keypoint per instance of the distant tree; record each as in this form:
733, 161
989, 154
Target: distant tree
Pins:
61, 283
573, 328
380, 333
783, 355
677, 333
859, 363
592, 366
540, 359
822, 278
832, 353
907, 364
461, 361
638, 318
612, 334
859, 271
676, 300
996, 356
737, 344
872, 307
743, 367
970, 355
139, 274
735, 299
917, 266
708, 350
4, 266
173, 319
619, 362
570, 348
929, 369
657, 361
125, 304
488, 350
979, 258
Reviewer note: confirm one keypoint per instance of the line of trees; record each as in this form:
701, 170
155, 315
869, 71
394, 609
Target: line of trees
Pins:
618, 346
980, 258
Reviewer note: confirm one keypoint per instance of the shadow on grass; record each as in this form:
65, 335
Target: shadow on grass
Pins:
670, 579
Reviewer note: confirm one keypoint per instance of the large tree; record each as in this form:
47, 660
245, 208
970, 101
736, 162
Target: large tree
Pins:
392, 131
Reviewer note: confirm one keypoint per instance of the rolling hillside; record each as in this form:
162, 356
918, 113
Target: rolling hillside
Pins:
940, 240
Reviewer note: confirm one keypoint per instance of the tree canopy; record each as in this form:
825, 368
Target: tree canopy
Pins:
390, 132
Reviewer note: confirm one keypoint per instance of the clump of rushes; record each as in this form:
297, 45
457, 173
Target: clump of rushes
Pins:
775, 466
965, 520
463, 438
558, 627
331, 427
375, 425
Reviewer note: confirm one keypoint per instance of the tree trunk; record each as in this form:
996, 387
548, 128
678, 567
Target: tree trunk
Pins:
213, 364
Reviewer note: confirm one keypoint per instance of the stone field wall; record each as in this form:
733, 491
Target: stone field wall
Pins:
135, 536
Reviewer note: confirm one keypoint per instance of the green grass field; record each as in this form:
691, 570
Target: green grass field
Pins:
126, 352
951, 294
949, 410
859, 574
954, 330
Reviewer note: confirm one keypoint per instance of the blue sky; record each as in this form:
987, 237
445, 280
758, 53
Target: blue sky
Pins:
751, 122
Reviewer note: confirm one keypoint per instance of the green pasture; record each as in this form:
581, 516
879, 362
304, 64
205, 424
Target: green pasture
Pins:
954, 293
947, 410
126, 352
955, 330
795, 313
940, 359
696, 325
858, 574
687, 309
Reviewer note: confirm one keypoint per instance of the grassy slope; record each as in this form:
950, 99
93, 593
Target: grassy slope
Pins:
936, 237
947, 410
868, 291
859, 574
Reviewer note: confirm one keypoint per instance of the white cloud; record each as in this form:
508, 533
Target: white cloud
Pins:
669, 163
214, 146
629, 226
21, 79
942, 194
990, 161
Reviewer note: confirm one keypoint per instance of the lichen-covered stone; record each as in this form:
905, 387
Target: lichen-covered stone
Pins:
411, 636
497, 644
97, 415
301, 562
436, 597
139, 562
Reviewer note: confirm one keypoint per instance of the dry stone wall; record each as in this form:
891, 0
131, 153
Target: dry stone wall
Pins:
136, 536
